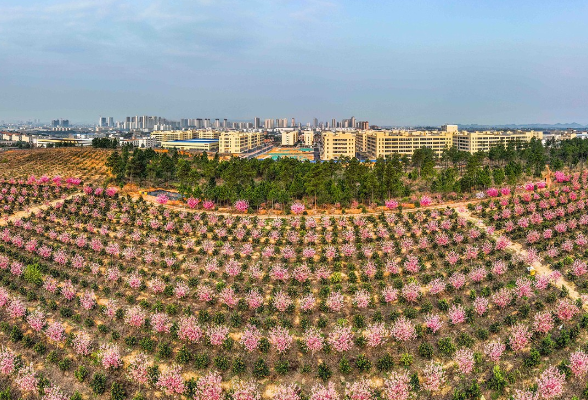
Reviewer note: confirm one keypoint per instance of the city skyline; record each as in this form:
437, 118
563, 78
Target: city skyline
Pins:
419, 63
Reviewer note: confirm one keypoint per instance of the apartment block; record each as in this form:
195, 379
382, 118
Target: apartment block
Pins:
375, 144
234, 142
308, 138
473, 142
289, 138
168, 136
337, 144
199, 145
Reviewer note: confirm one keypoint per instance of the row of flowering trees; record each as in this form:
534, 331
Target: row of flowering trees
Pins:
426, 289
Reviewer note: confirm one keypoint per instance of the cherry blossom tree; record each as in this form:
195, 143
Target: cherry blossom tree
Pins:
397, 386
7, 361
551, 383
494, 350
464, 358
138, 370
321, 392
360, 390
341, 338
280, 338
403, 330
208, 387
433, 377
579, 363
26, 380
171, 381
246, 390
110, 356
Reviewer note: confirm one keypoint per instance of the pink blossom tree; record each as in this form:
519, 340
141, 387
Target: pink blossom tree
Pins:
397, 386
287, 392
171, 381
208, 387
551, 383
579, 363
110, 356
280, 338
494, 350
403, 330
360, 390
519, 337
464, 358
246, 390
7, 361
341, 338
26, 380
433, 377
321, 392
138, 370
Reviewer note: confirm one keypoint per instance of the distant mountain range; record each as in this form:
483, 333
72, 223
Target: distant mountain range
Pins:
573, 125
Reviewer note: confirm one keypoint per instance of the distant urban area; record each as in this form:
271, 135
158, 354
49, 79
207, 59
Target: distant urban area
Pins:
273, 138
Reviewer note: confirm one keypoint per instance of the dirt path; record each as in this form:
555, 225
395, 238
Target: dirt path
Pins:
28, 211
517, 248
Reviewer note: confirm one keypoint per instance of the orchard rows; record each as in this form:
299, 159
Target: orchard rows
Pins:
106, 296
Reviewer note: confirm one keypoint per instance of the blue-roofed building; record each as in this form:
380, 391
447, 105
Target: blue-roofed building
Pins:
207, 145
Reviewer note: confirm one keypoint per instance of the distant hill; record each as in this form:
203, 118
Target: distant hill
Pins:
573, 125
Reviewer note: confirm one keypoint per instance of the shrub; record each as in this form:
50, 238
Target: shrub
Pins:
406, 359
65, 364
201, 361
222, 363
260, 369
344, 365
98, 383
184, 355
238, 366
363, 363
497, 380
81, 373
117, 391
426, 350
282, 367
324, 372
446, 346
385, 363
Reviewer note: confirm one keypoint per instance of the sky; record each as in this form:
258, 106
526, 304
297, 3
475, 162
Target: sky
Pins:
413, 62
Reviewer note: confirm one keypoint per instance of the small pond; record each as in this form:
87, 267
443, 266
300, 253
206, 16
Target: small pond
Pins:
170, 195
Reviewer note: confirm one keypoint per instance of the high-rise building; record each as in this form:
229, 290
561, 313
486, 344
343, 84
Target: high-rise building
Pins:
315, 123
333, 123
293, 124
352, 123
110, 122
268, 124
257, 123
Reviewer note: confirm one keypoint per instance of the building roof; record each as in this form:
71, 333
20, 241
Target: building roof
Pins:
194, 141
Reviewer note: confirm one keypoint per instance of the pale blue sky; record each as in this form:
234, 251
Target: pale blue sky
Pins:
390, 62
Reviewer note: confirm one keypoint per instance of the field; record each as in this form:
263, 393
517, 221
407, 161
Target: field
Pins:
86, 163
104, 296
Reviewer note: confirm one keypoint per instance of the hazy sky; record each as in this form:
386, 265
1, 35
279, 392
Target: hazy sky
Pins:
390, 62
